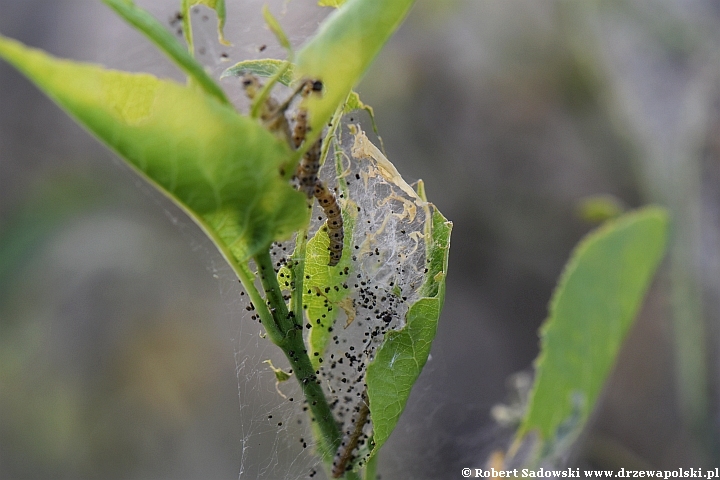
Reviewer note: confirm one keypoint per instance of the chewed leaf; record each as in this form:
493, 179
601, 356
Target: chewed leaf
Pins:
400, 359
592, 309
267, 67
354, 103
280, 374
342, 50
382, 300
364, 148
219, 7
220, 167
161, 37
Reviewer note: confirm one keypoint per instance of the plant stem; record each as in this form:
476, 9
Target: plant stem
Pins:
298, 277
293, 345
275, 299
314, 395
266, 318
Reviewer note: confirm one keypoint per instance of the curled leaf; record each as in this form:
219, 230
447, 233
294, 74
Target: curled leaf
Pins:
280, 374
402, 356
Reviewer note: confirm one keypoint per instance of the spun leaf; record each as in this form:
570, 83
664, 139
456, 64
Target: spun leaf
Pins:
399, 361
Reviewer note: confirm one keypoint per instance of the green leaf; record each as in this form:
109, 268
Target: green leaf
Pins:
371, 468
342, 50
276, 29
592, 309
160, 36
353, 102
220, 167
267, 67
399, 361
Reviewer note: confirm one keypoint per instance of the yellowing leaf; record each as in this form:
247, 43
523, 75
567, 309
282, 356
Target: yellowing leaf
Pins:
220, 167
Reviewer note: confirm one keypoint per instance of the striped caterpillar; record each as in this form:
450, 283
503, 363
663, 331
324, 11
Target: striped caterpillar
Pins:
272, 114
334, 223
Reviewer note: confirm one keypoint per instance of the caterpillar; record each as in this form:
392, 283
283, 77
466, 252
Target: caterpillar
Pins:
308, 181
336, 234
309, 165
307, 169
272, 115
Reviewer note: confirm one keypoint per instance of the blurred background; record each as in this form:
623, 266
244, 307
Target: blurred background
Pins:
123, 348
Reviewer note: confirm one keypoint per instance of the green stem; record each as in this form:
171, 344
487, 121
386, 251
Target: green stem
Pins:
275, 299
314, 395
334, 124
248, 282
293, 345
